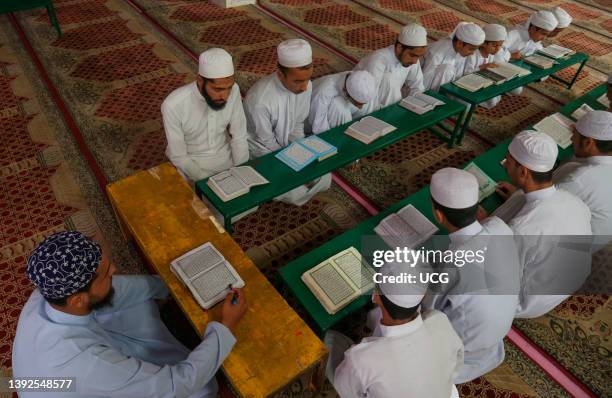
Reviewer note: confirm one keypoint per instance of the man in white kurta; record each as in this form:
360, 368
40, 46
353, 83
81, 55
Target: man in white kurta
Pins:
340, 98
553, 227
396, 69
589, 175
105, 331
481, 300
277, 107
490, 54
411, 354
445, 60
524, 40
204, 120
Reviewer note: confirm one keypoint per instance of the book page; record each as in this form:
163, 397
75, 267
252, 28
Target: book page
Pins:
351, 263
540, 61
510, 207
492, 74
417, 221
249, 175
317, 144
558, 127
373, 127
199, 260
511, 70
213, 282
473, 82
486, 185
331, 283
556, 51
298, 154
428, 99
228, 183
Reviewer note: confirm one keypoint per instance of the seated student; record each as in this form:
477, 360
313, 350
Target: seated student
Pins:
410, 354
204, 120
589, 176
489, 55
339, 98
396, 69
552, 267
482, 298
277, 107
564, 20
105, 331
524, 40
445, 60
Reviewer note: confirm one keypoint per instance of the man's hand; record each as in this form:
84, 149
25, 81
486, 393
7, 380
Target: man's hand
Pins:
489, 65
516, 55
481, 214
505, 190
231, 314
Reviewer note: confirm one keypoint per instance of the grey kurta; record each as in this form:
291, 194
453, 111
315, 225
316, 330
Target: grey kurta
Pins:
482, 299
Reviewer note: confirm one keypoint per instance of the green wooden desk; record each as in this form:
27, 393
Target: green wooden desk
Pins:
283, 179
7, 6
489, 162
475, 98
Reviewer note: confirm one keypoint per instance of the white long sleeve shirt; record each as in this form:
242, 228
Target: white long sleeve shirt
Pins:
442, 64
476, 60
391, 76
203, 141
275, 115
518, 40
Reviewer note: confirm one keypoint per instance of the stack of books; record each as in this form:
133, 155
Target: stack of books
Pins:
301, 153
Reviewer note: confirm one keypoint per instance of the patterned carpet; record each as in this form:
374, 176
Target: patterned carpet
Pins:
112, 68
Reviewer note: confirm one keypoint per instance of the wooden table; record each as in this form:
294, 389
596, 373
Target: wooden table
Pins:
165, 218
283, 178
7, 6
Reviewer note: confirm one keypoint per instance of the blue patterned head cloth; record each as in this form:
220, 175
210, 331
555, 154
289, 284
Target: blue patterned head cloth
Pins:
63, 264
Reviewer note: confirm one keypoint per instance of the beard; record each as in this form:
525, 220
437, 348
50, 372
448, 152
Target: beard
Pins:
106, 301
215, 105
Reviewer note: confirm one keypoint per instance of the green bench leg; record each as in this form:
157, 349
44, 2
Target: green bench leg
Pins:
53, 18
571, 82
465, 125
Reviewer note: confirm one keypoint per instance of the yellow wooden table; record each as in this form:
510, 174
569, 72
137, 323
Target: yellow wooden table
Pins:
275, 347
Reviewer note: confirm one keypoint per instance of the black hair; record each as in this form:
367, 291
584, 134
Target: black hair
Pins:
395, 311
537, 28
541, 177
602, 146
459, 218
64, 300
284, 70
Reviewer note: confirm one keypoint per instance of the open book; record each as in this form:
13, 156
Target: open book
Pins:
420, 103
540, 61
558, 127
491, 74
473, 82
369, 129
510, 207
207, 274
581, 111
235, 182
406, 228
603, 99
340, 279
301, 153
555, 51
486, 185
510, 71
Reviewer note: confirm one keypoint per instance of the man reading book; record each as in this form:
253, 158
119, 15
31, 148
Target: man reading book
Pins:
481, 300
411, 353
277, 107
104, 330
204, 120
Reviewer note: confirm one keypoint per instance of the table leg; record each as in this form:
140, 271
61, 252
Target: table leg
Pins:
577, 73
466, 123
53, 18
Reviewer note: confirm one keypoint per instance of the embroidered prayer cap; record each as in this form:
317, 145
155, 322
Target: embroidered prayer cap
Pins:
403, 293
63, 263
534, 150
563, 18
294, 53
495, 32
596, 124
216, 63
470, 33
361, 86
454, 188
413, 35
543, 19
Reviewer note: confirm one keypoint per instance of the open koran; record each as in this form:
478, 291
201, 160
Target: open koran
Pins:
369, 129
340, 279
301, 153
406, 228
473, 82
510, 207
207, 274
558, 127
555, 51
581, 111
235, 182
486, 185
510, 71
420, 103
540, 61
491, 74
